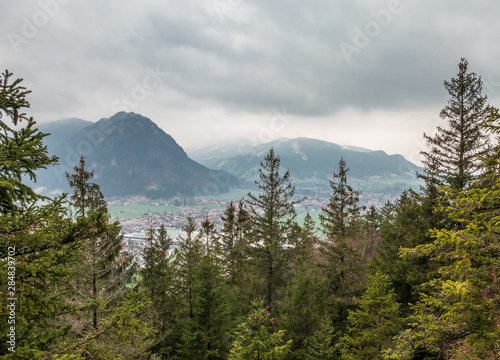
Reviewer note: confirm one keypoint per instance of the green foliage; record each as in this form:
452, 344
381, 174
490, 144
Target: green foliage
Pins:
434, 292
87, 196
205, 336
40, 258
234, 235
272, 212
49, 256
342, 261
121, 334
452, 159
372, 326
340, 218
22, 152
406, 223
236, 227
188, 257
371, 228
322, 344
302, 308
38, 241
206, 333
104, 269
304, 303
158, 281
460, 308
107, 322
256, 337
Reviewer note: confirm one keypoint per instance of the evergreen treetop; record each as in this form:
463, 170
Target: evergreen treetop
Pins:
453, 155
22, 151
272, 213
87, 196
258, 338
339, 217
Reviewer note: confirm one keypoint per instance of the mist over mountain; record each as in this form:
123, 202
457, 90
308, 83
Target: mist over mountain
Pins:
60, 131
130, 155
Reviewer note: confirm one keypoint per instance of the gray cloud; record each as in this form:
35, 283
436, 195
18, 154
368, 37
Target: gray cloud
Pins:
232, 62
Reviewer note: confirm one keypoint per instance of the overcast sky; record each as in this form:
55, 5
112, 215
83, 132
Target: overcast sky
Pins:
365, 73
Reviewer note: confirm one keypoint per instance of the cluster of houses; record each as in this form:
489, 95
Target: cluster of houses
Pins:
134, 230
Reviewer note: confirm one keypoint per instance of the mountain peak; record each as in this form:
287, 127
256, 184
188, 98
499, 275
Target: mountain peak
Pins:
131, 155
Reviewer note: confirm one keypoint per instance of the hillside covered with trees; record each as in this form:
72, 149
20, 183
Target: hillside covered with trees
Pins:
414, 279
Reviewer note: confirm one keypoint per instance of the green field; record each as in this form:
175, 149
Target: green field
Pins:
133, 211
315, 216
384, 185
233, 194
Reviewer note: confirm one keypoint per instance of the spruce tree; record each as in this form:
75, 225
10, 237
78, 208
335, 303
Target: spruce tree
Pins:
87, 196
457, 313
234, 236
453, 155
209, 237
372, 222
104, 265
323, 343
307, 243
304, 303
22, 151
235, 252
272, 212
244, 222
406, 223
229, 239
158, 281
340, 218
258, 338
376, 321
188, 257
38, 240
47, 249
343, 264
205, 335
102, 278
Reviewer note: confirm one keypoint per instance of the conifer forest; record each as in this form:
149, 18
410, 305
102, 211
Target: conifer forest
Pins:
412, 279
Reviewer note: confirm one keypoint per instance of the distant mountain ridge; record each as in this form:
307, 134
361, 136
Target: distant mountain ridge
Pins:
307, 158
130, 155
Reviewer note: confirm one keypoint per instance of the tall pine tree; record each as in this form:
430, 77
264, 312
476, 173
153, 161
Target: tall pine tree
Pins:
158, 280
343, 263
258, 338
205, 335
373, 325
406, 223
272, 212
87, 196
457, 315
188, 257
453, 155
235, 252
304, 303
103, 276
37, 238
